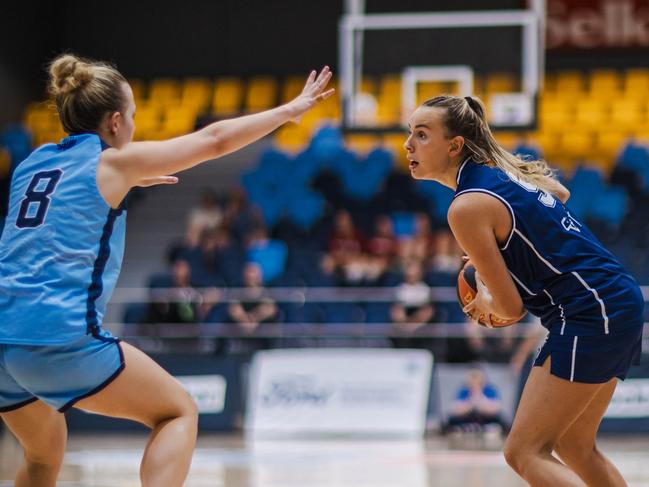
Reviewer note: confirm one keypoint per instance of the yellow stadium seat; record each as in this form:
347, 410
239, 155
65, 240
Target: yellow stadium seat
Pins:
627, 113
164, 92
139, 89
178, 120
578, 145
362, 143
196, 93
262, 93
508, 140
606, 81
569, 82
555, 115
590, 113
292, 87
148, 120
549, 142
292, 137
390, 87
500, 83
41, 117
430, 89
228, 96
388, 114
636, 83
394, 142
609, 143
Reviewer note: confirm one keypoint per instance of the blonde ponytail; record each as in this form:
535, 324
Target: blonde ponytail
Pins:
466, 117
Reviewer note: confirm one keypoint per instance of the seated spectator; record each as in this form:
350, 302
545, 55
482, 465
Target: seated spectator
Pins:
254, 307
346, 248
180, 302
420, 245
240, 217
477, 406
269, 254
447, 254
381, 249
207, 216
413, 307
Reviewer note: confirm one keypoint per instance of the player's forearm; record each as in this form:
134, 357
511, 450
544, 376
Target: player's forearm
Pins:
233, 134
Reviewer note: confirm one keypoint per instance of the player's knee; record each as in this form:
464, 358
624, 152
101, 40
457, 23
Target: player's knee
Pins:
519, 453
48, 451
183, 406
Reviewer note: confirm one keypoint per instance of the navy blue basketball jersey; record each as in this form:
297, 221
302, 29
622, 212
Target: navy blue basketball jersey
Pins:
61, 248
564, 274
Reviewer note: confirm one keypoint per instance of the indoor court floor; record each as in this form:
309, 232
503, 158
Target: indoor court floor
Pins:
234, 461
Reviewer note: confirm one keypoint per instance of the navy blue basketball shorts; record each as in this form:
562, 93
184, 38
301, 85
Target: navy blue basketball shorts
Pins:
592, 359
59, 375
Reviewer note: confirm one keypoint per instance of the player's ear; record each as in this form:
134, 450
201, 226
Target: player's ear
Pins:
113, 122
456, 146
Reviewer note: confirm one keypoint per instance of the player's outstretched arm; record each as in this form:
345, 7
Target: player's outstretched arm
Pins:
139, 160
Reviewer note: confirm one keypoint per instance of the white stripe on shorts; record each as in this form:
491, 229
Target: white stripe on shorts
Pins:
572, 365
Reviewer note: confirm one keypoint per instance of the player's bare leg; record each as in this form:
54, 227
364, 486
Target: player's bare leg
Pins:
577, 447
146, 393
42, 433
548, 408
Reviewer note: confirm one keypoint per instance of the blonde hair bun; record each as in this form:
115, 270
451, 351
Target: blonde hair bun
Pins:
69, 73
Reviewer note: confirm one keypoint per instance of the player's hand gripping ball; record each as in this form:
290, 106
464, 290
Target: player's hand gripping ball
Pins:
467, 289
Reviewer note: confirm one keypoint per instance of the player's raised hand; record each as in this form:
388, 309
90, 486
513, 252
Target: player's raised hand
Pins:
313, 93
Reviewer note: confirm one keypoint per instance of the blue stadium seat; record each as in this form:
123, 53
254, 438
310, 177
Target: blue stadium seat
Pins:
18, 142
270, 256
403, 224
305, 207
610, 206
440, 197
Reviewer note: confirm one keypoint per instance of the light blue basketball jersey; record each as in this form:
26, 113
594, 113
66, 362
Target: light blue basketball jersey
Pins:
61, 248
563, 273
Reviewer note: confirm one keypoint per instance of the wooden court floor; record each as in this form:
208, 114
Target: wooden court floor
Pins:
234, 461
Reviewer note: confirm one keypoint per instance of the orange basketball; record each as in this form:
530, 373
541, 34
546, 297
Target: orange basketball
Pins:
466, 291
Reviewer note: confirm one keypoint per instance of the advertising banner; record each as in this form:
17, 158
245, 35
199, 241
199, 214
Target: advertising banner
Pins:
339, 391
597, 24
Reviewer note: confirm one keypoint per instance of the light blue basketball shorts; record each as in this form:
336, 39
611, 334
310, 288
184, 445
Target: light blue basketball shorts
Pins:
59, 375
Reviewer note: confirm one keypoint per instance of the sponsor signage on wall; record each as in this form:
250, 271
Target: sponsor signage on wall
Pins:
597, 24
208, 391
630, 400
339, 391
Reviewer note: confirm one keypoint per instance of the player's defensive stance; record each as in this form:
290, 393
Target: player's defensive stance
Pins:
509, 217
60, 256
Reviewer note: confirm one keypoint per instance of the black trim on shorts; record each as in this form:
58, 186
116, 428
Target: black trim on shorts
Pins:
101, 386
19, 405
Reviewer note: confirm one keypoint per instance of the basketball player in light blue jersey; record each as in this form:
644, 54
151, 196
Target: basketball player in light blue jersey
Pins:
531, 253
60, 256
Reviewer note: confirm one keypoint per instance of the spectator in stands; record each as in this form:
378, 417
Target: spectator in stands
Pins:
447, 254
381, 249
420, 245
207, 216
413, 307
477, 406
180, 303
253, 308
239, 216
346, 248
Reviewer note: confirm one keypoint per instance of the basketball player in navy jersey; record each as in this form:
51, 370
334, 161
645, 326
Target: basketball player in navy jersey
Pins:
531, 253
60, 257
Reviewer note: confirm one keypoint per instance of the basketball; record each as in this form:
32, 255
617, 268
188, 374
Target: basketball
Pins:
467, 289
